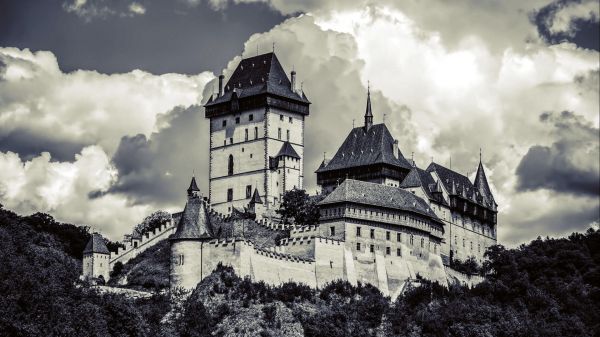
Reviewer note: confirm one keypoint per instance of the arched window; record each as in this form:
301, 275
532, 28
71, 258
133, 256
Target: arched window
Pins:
230, 166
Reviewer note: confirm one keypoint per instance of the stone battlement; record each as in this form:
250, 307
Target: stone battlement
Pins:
136, 245
282, 256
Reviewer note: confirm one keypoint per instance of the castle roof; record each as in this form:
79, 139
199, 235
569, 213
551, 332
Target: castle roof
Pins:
262, 74
96, 245
194, 222
287, 150
418, 177
256, 197
366, 193
481, 185
193, 186
366, 147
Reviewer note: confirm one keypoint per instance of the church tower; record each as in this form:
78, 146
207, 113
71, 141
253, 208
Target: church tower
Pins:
256, 135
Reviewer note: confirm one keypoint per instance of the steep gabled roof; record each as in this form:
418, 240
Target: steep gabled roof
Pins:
193, 186
288, 150
194, 222
256, 197
366, 147
463, 185
96, 245
481, 185
420, 178
366, 193
259, 75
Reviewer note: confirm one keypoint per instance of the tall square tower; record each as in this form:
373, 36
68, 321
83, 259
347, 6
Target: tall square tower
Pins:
256, 135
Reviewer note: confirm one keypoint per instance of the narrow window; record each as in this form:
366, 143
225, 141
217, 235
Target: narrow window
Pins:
288, 135
399, 237
463, 242
237, 120
372, 234
471, 245
251, 117
246, 135
372, 248
224, 123
278, 133
422, 242
230, 194
230, 140
256, 132
357, 231
358, 246
230, 165
248, 191
332, 231
388, 251
411, 239
281, 118
291, 120
387, 235
398, 252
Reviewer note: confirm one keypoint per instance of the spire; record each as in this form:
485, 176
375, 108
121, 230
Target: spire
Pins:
481, 184
256, 197
368, 112
193, 190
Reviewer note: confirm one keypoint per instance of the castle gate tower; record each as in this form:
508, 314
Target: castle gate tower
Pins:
256, 135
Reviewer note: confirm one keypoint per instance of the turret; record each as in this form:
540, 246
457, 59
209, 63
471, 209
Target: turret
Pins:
96, 259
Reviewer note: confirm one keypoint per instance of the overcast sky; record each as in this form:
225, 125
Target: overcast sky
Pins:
100, 100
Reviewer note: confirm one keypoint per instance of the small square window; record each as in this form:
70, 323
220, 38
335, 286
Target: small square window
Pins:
281, 117
372, 234
291, 120
251, 117
237, 120
388, 251
358, 246
357, 231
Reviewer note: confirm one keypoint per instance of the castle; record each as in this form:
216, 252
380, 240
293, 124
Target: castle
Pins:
383, 221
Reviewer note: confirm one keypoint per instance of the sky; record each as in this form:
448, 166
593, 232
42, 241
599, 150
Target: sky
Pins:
101, 118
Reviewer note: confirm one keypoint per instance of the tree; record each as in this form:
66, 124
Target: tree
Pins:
152, 221
299, 207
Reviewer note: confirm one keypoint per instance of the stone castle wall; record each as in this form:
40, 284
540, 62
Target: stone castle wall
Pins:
135, 246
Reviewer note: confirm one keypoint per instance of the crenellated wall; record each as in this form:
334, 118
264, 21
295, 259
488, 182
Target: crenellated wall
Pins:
135, 246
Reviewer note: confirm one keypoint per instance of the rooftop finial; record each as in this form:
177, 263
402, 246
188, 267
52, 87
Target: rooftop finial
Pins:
368, 112
480, 155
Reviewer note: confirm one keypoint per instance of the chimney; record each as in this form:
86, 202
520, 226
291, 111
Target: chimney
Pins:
293, 81
221, 77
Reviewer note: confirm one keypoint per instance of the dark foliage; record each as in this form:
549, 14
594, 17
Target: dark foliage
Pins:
39, 294
300, 208
469, 266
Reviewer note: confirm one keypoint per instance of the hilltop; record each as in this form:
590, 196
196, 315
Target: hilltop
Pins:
549, 287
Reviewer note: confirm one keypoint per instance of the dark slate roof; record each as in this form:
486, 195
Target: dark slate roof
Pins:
193, 186
366, 147
96, 245
194, 222
287, 150
463, 185
256, 197
420, 178
366, 193
481, 185
259, 75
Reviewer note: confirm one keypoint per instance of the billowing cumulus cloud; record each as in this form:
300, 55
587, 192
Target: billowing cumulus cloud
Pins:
571, 164
92, 9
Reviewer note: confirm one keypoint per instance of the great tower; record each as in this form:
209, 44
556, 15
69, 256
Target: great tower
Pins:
256, 135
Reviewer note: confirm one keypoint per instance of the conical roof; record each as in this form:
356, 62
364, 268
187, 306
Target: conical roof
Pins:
287, 150
193, 186
481, 184
194, 222
96, 245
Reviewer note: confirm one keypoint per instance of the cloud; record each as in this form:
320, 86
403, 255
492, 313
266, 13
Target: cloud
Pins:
94, 9
60, 188
570, 164
83, 107
561, 17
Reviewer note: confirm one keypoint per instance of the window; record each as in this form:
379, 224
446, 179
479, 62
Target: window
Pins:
224, 123
388, 251
135, 244
463, 242
455, 239
246, 135
422, 242
291, 120
372, 234
251, 117
411, 239
256, 132
372, 248
278, 133
248, 191
230, 165
399, 237
398, 252
387, 235
358, 246
281, 118
230, 194
471, 245
332, 230
287, 135
237, 120
479, 248
357, 231
230, 140
181, 260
